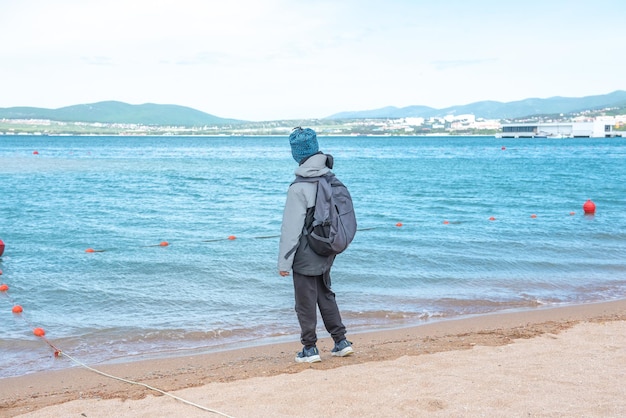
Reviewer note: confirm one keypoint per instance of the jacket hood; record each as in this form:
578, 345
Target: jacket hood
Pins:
315, 166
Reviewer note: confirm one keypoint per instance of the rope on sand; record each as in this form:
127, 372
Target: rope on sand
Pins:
39, 332
144, 385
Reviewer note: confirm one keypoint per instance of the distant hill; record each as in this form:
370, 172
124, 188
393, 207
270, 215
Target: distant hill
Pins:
119, 112
497, 110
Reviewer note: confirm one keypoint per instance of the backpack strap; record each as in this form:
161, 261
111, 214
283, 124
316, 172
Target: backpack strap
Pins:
323, 197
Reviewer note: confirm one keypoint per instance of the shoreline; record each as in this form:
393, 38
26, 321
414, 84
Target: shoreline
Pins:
32, 392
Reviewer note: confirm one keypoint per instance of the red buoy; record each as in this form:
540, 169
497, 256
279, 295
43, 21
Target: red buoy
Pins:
4, 287
17, 309
1, 247
589, 207
232, 237
399, 224
164, 244
39, 332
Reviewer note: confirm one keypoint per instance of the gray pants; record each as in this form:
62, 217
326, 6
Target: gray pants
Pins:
312, 292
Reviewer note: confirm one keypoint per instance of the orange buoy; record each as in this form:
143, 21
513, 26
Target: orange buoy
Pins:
4, 287
164, 244
1, 247
533, 216
232, 237
89, 250
446, 222
17, 309
39, 332
572, 213
589, 207
492, 219
399, 224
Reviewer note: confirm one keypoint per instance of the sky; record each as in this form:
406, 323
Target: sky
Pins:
262, 60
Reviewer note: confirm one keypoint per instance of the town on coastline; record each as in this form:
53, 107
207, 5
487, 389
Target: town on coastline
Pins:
584, 124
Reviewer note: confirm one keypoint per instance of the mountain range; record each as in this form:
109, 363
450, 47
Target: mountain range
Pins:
497, 110
174, 115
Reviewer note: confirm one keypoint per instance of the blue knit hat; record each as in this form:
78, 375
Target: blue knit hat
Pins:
303, 143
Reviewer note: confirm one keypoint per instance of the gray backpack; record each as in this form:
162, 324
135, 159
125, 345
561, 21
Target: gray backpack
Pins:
334, 223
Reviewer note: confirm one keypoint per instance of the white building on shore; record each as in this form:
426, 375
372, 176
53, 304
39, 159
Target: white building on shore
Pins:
599, 128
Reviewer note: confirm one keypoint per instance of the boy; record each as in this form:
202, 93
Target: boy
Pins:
311, 272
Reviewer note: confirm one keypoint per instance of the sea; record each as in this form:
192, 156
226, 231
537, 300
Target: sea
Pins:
122, 248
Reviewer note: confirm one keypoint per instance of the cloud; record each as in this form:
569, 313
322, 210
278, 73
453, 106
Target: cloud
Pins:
97, 60
448, 64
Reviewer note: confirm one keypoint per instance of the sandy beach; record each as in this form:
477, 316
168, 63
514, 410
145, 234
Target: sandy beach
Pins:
568, 361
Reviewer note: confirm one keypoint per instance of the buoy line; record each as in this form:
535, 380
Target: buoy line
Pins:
228, 238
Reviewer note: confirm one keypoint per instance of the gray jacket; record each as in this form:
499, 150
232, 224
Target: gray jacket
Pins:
293, 250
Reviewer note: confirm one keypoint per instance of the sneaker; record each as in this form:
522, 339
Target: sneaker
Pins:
308, 355
342, 348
